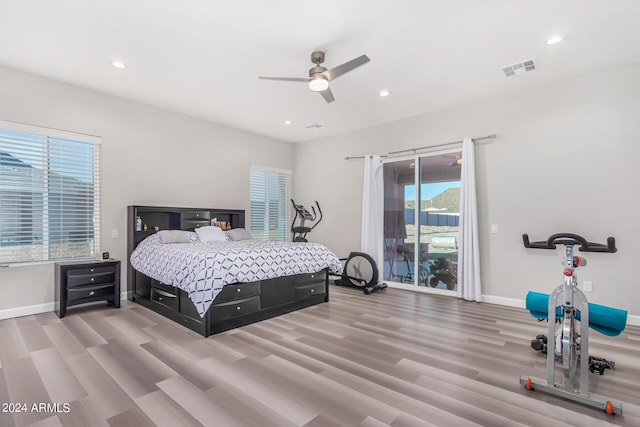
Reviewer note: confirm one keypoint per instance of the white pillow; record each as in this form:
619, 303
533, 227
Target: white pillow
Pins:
211, 233
174, 236
239, 234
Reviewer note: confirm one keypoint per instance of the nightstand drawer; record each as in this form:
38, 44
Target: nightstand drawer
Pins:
90, 291
166, 299
233, 308
90, 276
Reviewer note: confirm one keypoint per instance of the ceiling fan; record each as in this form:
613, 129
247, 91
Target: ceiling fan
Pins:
319, 76
457, 161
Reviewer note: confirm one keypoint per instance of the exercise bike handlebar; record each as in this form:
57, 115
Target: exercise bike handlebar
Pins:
571, 239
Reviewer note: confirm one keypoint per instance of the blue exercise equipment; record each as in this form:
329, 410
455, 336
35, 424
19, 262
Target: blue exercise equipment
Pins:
566, 306
606, 320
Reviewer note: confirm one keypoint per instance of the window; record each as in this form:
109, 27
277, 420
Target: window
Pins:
270, 199
49, 194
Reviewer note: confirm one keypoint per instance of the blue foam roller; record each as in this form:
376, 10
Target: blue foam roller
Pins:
606, 320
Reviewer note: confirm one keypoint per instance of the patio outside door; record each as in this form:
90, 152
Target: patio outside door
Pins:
420, 247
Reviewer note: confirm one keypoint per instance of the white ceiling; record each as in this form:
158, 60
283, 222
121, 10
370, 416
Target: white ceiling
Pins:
202, 58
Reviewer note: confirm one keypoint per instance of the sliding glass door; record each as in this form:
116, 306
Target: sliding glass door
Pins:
421, 220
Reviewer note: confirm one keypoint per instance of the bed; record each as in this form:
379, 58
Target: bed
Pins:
212, 286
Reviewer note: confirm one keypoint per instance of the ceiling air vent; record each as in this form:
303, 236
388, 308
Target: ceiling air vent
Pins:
519, 68
314, 126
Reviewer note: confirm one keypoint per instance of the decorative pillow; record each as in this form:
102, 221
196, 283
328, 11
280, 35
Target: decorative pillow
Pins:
237, 234
174, 236
211, 233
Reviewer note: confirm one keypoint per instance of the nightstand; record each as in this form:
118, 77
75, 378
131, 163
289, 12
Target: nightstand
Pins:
80, 282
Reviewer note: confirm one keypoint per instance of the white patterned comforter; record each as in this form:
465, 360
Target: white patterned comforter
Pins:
202, 269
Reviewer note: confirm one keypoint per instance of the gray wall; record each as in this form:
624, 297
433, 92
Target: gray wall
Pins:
565, 160
149, 156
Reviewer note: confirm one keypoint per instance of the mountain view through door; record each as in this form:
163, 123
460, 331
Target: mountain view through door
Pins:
429, 228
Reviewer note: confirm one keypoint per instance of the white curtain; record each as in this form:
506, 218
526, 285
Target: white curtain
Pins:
371, 193
469, 287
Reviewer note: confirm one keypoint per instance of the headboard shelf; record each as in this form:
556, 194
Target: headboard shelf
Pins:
172, 218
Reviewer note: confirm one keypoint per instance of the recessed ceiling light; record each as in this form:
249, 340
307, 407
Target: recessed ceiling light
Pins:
118, 64
559, 38
384, 93
287, 122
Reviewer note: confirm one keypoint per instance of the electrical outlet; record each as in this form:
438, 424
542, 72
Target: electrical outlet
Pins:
114, 233
587, 286
494, 228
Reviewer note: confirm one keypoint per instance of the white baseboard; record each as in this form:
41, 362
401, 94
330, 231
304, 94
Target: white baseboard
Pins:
490, 299
509, 302
26, 310
10, 313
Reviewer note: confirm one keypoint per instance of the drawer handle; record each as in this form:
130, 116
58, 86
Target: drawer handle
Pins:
238, 308
238, 290
92, 270
159, 298
313, 290
92, 293
92, 279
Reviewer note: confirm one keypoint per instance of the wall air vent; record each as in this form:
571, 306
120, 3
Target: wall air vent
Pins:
519, 68
314, 126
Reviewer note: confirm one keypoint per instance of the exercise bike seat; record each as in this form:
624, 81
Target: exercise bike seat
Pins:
606, 320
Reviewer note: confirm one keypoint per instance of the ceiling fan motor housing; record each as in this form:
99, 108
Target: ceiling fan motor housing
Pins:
316, 70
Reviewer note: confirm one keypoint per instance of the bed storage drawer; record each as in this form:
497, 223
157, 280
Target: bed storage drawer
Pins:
164, 298
234, 308
238, 291
309, 278
310, 290
166, 288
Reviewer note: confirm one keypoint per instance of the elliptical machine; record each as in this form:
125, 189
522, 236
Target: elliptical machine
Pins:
361, 272
300, 231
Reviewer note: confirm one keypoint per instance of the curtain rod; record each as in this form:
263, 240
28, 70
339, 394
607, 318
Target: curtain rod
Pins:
391, 153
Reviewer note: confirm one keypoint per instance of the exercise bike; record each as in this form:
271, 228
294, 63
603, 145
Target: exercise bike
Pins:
300, 232
567, 305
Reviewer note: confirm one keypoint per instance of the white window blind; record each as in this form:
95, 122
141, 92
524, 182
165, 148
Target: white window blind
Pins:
270, 199
49, 194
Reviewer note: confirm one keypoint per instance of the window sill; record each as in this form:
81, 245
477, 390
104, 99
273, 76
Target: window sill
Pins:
35, 263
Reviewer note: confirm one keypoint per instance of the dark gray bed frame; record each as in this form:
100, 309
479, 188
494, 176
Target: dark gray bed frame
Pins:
237, 304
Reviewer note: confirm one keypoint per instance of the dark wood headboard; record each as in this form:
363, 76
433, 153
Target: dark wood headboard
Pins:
172, 218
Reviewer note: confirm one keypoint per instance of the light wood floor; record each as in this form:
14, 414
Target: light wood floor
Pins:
391, 358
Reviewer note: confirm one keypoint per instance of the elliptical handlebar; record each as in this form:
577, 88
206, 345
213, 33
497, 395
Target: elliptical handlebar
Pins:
314, 215
571, 239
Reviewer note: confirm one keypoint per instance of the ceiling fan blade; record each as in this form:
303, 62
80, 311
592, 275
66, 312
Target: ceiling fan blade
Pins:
336, 72
327, 95
287, 79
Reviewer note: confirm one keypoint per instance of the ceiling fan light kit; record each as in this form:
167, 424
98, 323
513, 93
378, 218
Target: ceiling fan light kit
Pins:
319, 76
318, 83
